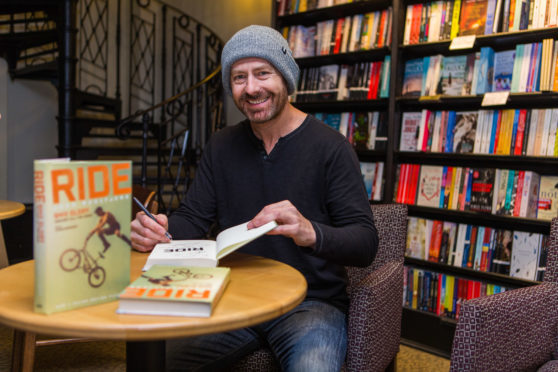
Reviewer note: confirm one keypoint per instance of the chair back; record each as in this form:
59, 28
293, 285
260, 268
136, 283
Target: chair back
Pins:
391, 222
551, 273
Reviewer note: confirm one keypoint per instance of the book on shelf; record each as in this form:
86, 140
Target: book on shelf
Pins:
410, 123
429, 186
548, 198
205, 253
472, 17
525, 255
412, 77
502, 252
454, 75
503, 70
175, 291
416, 235
464, 131
81, 229
482, 189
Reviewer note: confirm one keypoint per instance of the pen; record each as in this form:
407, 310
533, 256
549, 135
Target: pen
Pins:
149, 214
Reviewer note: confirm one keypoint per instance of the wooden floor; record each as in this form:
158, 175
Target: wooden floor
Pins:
107, 356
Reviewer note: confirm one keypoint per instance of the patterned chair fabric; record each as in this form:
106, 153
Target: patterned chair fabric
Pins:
375, 308
515, 330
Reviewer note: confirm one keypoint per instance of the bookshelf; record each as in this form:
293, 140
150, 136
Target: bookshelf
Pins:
421, 328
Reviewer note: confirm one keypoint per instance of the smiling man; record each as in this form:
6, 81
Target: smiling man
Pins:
284, 165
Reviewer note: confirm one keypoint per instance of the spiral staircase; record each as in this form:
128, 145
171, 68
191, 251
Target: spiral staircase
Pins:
136, 79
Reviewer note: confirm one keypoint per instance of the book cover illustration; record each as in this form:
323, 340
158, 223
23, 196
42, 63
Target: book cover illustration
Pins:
502, 251
473, 17
482, 189
548, 198
464, 131
416, 238
360, 130
453, 76
175, 291
503, 70
82, 220
410, 124
327, 83
429, 185
412, 78
368, 171
525, 255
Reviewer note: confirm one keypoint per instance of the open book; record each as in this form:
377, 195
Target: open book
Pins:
205, 253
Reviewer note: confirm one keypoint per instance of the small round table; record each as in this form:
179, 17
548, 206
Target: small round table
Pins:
8, 209
260, 289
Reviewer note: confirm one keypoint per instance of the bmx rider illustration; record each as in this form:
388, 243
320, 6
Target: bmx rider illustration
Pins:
107, 225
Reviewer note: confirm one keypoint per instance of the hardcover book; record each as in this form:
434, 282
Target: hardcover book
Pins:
453, 75
81, 229
464, 131
409, 131
416, 238
412, 78
525, 255
430, 184
548, 198
482, 189
205, 253
503, 70
473, 17
175, 290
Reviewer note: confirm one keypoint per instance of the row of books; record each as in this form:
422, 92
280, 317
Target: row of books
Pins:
444, 20
372, 175
341, 35
516, 253
506, 192
531, 132
527, 68
364, 130
285, 7
360, 81
441, 294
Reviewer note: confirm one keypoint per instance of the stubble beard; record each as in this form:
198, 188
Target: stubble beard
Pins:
276, 102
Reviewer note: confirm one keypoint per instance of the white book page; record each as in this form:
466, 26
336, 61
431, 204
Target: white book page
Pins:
183, 252
237, 236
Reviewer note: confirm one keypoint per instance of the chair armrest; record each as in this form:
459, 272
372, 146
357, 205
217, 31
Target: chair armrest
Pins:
375, 319
510, 331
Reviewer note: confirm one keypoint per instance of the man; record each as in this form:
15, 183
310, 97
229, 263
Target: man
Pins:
284, 165
113, 227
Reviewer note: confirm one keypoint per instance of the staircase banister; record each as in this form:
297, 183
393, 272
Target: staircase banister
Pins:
122, 130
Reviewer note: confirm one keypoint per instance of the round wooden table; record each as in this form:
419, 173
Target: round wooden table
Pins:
8, 209
260, 289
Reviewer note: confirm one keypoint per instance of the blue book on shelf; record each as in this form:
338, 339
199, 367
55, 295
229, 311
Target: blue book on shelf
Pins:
386, 72
503, 70
425, 66
469, 188
537, 78
478, 248
443, 187
466, 246
449, 132
485, 74
493, 132
413, 78
509, 191
490, 11
517, 65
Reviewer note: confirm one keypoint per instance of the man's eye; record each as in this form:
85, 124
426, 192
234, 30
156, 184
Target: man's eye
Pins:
239, 78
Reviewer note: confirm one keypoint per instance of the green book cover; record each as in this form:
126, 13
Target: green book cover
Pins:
81, 223
175, 290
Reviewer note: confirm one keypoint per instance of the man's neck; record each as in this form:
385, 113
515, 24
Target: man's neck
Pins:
286, 122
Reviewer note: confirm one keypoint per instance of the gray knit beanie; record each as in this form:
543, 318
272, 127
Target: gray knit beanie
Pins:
262, 42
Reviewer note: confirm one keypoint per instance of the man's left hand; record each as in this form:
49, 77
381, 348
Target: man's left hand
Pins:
291, 223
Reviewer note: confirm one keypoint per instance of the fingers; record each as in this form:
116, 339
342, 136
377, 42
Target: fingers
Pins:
146, 232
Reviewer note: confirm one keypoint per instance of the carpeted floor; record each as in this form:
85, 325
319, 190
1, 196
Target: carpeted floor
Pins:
107, 356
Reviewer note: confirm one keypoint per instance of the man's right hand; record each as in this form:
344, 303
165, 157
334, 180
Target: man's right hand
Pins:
146, 232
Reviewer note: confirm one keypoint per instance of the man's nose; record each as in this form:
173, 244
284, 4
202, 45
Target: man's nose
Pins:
252, 85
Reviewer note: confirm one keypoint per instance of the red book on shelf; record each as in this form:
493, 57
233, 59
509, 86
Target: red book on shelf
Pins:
435, 241
412, 197
381, 28
517, 204
439, 296
497, 133
374, 80
476, 289
518, 146
485, 249
338, 35
402, 184
415, 28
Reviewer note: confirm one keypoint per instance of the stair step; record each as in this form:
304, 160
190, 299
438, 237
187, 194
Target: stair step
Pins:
28, 39
23, 6
43, 71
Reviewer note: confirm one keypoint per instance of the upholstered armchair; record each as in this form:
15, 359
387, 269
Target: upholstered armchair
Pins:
375, 308
515, 330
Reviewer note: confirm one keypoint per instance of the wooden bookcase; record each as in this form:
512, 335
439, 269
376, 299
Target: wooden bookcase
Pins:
419, 328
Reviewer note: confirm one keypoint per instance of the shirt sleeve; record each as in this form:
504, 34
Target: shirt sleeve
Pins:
351, 238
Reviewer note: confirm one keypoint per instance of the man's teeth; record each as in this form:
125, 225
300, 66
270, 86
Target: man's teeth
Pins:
256, 102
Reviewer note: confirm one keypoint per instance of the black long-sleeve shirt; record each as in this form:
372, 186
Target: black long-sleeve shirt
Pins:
317, 170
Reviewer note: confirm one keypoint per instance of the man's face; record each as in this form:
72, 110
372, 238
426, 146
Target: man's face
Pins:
258, 89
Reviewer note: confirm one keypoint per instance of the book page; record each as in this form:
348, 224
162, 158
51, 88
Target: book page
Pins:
235, 237
183, 252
